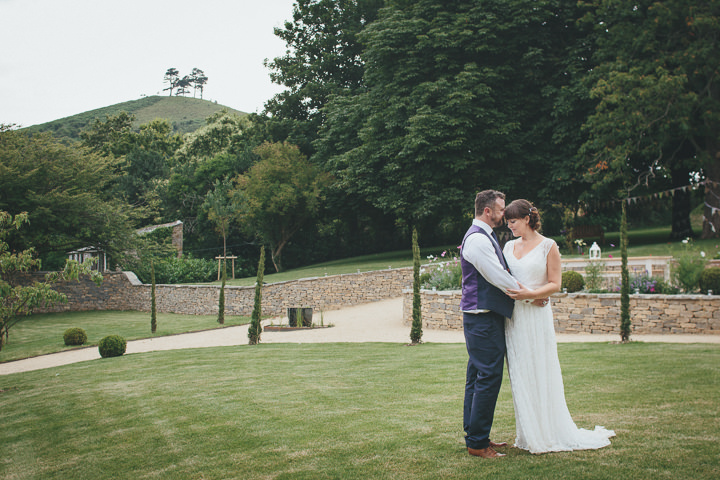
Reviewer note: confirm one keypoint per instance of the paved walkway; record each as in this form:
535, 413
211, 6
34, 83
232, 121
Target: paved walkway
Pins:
372, 322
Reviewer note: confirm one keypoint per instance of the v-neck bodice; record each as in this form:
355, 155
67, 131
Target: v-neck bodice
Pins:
531, 268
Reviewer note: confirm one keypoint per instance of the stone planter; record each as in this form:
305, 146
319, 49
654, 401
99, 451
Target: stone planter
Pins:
300, 316
591, 312
286, 328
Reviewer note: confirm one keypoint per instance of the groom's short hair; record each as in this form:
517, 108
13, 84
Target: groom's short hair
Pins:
486, 198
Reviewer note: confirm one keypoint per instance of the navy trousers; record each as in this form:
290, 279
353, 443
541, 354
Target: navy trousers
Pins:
485, 342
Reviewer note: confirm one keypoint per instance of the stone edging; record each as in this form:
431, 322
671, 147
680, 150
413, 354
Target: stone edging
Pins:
591, 313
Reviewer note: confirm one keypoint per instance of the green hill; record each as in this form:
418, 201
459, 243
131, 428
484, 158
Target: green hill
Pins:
185, 115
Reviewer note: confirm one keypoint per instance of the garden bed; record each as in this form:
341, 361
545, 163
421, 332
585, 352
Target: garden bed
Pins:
288, 328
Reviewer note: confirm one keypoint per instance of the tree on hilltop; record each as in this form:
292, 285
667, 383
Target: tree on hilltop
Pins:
171, 78
198, 79
183, 86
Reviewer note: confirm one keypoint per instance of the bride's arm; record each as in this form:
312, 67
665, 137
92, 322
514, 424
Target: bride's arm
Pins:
554, 280
554, 270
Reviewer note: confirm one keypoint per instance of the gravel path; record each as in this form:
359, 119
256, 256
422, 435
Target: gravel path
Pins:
372, 322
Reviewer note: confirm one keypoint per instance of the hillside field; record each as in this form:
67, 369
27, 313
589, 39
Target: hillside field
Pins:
185, 114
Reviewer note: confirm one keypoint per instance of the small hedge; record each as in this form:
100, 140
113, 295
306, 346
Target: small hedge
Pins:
74, 336
573, 281
710, 280
112, 346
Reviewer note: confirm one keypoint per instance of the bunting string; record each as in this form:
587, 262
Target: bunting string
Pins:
709, 186
670, 192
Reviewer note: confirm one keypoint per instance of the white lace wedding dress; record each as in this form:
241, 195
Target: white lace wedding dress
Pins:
542, 419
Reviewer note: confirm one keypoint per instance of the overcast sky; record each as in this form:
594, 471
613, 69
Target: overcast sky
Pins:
63, 57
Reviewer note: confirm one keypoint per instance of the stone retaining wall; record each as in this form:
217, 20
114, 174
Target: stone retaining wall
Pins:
123, 291
574, 313
591, 313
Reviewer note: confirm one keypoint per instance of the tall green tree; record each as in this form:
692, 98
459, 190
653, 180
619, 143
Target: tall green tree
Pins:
323, 59
278, 196
19, 298
221, 209
153, 300
625, 322
255, 329
172, 75
108, 136
457, 96
214, 152
198, 79
182, 86
143, 159
221, 298
656, 82
66, 192
416, 329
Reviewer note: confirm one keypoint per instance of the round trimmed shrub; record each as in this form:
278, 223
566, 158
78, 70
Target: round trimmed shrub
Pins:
710, 280
74, 336
573, 281
112, 346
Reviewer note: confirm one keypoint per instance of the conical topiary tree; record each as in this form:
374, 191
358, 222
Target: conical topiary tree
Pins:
416, 330
221, 300
153, 303
255, 327
625, 287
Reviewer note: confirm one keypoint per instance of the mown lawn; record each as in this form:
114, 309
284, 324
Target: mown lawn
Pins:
43, 333
348, 411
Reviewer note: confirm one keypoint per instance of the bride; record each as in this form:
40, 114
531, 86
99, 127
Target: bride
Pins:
542, 419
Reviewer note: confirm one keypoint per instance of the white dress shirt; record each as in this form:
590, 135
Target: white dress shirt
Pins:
479, 251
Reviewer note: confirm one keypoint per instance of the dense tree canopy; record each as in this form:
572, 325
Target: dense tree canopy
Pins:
659, 101
323, 59
278, 195
458, 97
143, 159
65, 192
218, 151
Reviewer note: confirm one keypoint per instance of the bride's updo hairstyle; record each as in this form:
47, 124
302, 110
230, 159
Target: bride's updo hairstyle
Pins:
522, 208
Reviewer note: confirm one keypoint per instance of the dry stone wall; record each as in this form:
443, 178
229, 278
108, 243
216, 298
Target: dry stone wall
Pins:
591, 313
123, 291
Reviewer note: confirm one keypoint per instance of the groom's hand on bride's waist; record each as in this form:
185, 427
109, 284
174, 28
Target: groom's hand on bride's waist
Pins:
541, 302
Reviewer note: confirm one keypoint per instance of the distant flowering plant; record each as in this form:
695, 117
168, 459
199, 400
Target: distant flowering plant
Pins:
580, 243
688, 266
643, 282
444, 272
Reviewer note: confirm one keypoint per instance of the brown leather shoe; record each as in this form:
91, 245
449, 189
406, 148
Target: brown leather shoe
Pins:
496, 445
484, 452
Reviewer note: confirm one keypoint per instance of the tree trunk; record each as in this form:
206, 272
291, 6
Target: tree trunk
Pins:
681, 205
275, 256
711, 212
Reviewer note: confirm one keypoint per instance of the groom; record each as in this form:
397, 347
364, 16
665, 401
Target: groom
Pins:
485, 306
